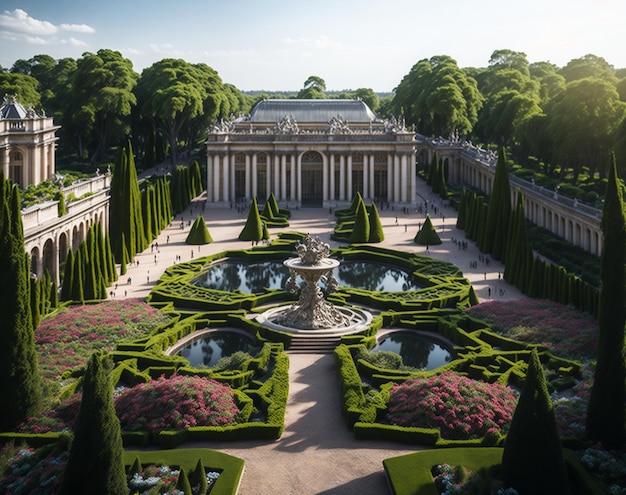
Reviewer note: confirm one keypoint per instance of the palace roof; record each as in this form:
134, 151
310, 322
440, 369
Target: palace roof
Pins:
313, 111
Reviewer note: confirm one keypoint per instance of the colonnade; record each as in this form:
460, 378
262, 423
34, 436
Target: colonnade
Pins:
329, 176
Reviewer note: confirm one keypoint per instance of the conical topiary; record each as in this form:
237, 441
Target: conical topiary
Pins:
253, 229
532, 460
95, 464
361, 229
199, 233
376, 227
197, 478
183, 483
427, 236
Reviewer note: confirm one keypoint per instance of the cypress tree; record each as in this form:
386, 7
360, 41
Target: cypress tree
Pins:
198, 478
427, 235
253, 229
605, 413
125, 258
443, 188
376, 227
146, 212
183, 483
461, 214
199, 233
78, 294
125, 206
266, 232
431, 170
95, 464
35, 300
361, 228
20, 382
68, 277
498, 211
532, 460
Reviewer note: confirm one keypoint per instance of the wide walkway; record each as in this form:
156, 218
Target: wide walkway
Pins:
317, 454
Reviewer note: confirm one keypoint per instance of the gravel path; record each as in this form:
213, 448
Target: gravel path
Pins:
317, 453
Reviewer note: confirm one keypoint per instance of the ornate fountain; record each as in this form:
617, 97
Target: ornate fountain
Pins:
312, 312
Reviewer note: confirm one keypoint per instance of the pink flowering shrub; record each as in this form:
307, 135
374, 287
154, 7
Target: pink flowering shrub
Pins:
176, 402
568, 332
65, 340
458, 406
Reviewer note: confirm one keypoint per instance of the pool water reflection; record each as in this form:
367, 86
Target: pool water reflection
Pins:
255, 277
417, 350
208, 349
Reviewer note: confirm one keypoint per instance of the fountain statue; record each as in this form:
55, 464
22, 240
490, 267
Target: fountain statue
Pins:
312, 312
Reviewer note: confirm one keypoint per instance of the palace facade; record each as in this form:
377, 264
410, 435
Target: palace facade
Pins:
27, 144
311, 153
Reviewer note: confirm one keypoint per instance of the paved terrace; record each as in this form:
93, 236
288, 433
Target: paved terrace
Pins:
317, 453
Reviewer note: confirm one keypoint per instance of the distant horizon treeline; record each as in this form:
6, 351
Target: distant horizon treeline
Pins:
561, 121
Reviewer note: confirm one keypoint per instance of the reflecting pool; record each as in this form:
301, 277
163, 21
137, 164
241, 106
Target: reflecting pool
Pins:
417, 350
254, 277
208, 349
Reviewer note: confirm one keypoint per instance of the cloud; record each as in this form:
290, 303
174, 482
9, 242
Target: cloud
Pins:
17, 25
77, 28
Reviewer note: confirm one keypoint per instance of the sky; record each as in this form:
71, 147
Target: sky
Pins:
275, 45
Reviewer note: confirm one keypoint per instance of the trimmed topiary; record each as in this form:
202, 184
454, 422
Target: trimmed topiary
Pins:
199, 233
361, 229
253, 229
532, 461
605, 414
427, 236
95, 464
376, 227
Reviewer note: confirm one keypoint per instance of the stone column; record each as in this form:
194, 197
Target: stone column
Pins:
276, 181
372, 167
283, 177
254, 177
412, 178
248, 177
331, 196
209, 178
404, 179
225, 177
292, 179
299, 179
325, 178
349, 178
366, 191
268, 176
232, 195
216, 178
342, 178
390, 178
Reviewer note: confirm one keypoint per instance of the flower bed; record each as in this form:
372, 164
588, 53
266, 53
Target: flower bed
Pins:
568, 332
458, 406
65, 339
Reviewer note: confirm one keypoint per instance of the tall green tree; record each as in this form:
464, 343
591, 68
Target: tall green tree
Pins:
605, 413
582, 124
313, 88
532, 460
376, 227
20, 382
438, 98
103, 98
173, 94
125, 206
95, 464
498, 211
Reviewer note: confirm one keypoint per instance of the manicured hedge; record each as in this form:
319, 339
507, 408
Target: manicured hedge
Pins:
480, 355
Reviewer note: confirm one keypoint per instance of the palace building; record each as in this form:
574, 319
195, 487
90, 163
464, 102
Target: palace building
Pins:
310, 153
27, 144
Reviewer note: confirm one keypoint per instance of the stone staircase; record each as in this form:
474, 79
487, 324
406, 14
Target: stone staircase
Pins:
307, 344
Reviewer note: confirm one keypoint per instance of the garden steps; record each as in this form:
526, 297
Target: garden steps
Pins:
302, 344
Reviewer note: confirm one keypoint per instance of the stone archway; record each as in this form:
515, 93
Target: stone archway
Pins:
312, 179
